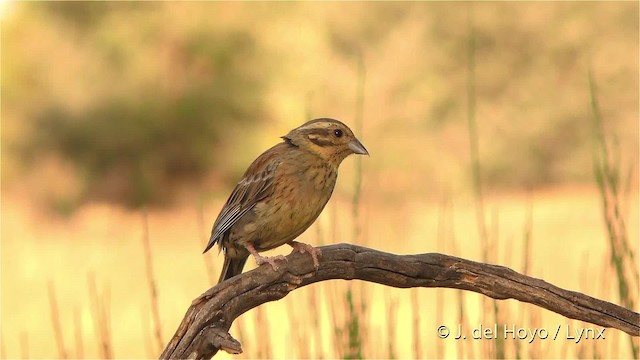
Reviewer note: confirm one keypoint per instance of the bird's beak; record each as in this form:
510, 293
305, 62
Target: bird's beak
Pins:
357, 147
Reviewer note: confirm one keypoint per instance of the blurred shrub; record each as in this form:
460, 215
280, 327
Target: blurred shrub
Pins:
134, 144
133, 98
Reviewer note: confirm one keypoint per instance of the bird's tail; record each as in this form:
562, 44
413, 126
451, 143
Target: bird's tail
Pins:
232, 267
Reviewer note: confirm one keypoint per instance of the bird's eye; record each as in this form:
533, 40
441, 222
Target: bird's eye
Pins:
337, 133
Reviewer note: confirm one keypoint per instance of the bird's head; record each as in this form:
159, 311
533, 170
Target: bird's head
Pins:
328, 138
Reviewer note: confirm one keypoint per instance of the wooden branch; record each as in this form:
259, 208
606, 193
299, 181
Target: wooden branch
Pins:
204, 329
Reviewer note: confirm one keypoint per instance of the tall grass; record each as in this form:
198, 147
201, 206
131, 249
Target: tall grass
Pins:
263, 332
447, 236
353, 329
316, 331
499, 343
314, 306
455, 306
392, 324
77, 327
101, 317
153, 288
526, 263
299, 332
472, 127
336, 329
607, 172
417, 336
474, 153
55, 321
442, 240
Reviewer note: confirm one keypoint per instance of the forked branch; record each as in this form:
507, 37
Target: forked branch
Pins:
204, 329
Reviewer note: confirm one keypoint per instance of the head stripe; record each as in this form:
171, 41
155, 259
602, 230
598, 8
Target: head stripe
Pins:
321, 123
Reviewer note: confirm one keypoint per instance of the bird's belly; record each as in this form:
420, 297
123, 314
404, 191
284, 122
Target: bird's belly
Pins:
285, 221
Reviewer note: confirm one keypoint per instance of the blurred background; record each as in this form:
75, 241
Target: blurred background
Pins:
499, 132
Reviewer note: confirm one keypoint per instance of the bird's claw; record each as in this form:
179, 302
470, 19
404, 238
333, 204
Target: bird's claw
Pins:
302, 248
270, 260
264, 259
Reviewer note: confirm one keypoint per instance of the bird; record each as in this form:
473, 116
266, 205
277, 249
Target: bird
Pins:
281, 194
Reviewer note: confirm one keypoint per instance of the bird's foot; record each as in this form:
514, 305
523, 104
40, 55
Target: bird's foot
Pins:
271, 260
263, 259
302, 248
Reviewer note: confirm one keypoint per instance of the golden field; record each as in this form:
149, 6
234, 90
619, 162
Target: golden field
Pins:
568, 249
110, 108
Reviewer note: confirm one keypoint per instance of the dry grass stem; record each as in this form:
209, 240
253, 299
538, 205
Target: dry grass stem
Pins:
151, 282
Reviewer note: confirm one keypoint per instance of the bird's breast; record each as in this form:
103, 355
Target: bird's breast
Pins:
296, 202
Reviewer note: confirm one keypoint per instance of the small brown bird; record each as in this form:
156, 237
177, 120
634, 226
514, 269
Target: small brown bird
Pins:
281, 194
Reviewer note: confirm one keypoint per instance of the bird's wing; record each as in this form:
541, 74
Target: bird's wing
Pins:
256, 184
